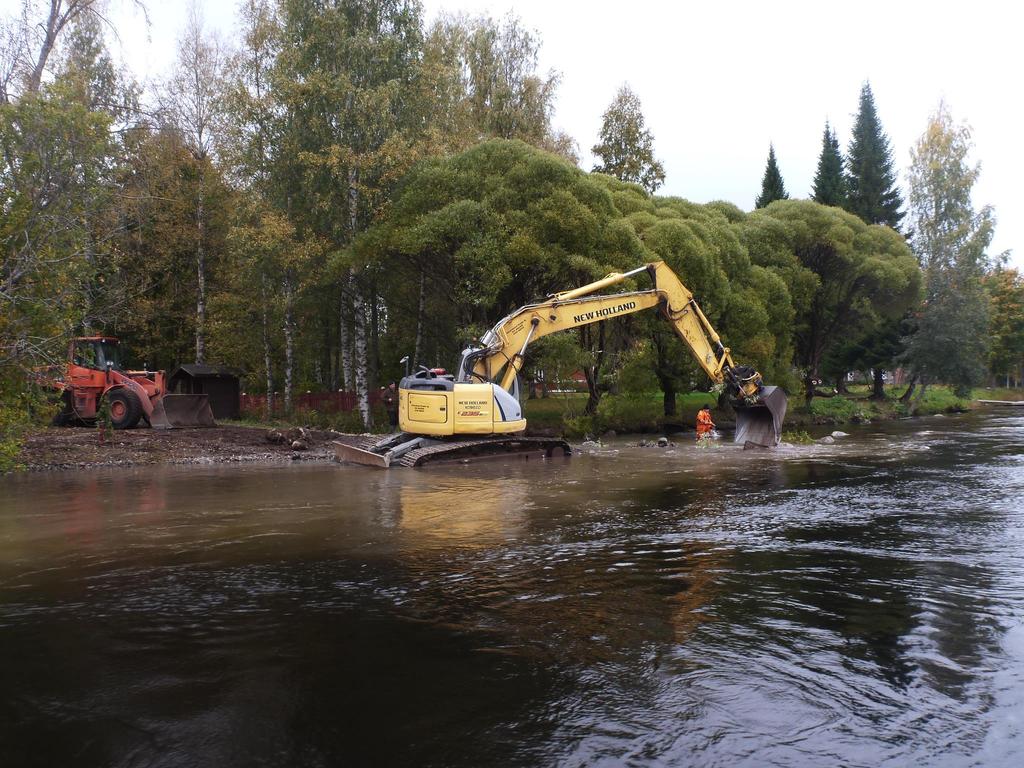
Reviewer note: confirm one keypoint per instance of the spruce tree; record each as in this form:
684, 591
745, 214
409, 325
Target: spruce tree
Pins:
873, 194
830, 181
772, 187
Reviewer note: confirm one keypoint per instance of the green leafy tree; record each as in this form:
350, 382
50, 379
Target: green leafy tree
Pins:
507, 98
86, 73
342, 74
950, 239
626, 147
58, 161
1006, 291
28, 45
749, 305
843, 274
829, 180
192, 102
247, 100
478, 79
772, 187
247, 148
875, 347
162, 178
472, 237
55, 184
873, 194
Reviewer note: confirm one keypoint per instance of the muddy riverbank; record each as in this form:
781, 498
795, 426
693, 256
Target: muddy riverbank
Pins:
69, 448
57, 448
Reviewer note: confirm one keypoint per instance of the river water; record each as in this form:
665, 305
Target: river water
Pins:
859, 604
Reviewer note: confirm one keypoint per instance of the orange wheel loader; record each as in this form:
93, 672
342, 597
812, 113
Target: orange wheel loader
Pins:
94, 372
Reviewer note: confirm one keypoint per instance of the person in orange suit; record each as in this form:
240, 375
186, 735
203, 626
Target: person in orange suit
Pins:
704, 423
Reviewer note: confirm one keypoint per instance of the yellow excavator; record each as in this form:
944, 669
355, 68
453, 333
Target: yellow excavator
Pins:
477, 414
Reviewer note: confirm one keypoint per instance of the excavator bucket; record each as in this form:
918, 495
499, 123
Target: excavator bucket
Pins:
761, 424
172, 411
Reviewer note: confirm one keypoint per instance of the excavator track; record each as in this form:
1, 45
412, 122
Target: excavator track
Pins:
468, 450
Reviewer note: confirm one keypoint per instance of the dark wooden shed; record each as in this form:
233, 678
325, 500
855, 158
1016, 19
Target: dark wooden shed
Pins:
218, 382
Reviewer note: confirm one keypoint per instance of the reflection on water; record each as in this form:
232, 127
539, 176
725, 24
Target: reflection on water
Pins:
854, 604
457, 511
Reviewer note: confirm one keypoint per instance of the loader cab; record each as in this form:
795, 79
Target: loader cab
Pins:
97, 353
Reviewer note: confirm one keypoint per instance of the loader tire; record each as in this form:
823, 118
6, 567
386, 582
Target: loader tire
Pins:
65, 417
125, 408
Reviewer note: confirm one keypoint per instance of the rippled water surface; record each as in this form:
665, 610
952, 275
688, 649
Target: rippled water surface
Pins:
859, 604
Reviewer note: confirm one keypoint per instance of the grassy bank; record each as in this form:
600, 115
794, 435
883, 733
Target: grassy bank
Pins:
563, 414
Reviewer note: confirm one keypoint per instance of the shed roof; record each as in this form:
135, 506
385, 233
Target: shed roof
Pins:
197, 371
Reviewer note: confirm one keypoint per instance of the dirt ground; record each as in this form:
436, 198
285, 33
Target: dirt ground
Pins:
80, 447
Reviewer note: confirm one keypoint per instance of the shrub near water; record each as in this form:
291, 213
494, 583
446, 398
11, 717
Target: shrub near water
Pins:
942, 400
11, 430
19, 413
624, 413
838, 410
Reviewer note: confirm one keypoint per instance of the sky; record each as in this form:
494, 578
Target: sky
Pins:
720, 81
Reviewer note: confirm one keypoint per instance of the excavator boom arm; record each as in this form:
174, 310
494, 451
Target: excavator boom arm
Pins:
505, 345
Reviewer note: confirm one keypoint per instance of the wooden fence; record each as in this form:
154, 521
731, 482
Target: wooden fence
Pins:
321, 402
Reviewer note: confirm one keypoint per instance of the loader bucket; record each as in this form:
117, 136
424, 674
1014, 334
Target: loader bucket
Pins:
172, 411
761, 423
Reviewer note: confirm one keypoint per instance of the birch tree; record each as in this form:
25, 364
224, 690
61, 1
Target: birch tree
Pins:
247, 149
951, 239
343, 72
192, 101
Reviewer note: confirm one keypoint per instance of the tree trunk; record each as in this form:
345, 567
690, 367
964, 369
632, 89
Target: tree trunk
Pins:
52, 28
920, 396
268, 363
345, 344
809, 388
663, 372
841, 384
905, 397
668, 389
200, 283
358, 309
420, 313
373, 361
289, 344
359, 355
878, 388
593, 372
